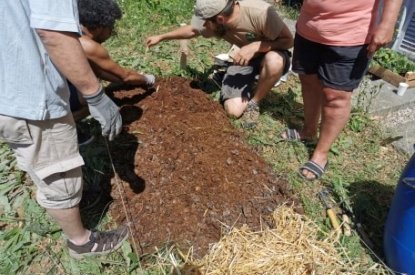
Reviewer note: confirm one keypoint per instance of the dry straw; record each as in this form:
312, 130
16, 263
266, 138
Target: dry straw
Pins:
294, 246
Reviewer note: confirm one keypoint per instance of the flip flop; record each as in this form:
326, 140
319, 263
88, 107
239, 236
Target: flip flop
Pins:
314, 168
292, 135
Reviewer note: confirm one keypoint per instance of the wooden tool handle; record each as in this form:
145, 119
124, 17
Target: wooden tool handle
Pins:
347, 231
333, 219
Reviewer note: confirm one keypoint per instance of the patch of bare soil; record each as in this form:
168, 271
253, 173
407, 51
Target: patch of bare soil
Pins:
187, 173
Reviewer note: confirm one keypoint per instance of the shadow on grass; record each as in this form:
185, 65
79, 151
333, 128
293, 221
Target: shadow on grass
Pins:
202, 81
98, 170
370, 201
284, 107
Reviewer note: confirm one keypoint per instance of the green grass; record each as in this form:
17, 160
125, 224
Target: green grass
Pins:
362, 173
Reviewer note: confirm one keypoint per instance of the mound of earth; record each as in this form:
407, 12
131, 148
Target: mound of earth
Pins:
187, 173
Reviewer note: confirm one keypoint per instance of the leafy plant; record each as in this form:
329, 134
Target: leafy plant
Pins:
394, 61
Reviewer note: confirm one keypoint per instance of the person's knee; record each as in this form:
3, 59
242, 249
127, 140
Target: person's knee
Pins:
234, 109
336, 98
274, 64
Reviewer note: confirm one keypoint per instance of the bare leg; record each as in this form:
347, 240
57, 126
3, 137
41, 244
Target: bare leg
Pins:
335, 114
312, 91
70, 221
271, 71
234, 107
272, 67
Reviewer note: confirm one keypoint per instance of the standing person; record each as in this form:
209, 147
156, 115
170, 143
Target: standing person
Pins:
263, 38
98, 18
333, 45
39, 50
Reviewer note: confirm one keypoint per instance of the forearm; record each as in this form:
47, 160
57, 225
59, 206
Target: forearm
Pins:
284, 41
107, 76
118, 74
68, 56
185, 32
266, 46
390, 14
129, 77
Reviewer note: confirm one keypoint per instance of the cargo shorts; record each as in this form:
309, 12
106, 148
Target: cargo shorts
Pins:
239, 80
48, 151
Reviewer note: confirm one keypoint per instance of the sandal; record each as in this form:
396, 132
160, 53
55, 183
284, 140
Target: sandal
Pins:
100, 243
314, 168
292, 135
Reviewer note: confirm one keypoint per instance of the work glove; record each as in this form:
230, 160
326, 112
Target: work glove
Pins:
150, 80
104, 110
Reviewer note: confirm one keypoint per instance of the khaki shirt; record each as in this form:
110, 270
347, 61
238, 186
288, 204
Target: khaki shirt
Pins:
258, 21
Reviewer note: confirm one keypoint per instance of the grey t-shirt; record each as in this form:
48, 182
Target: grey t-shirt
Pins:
30, 85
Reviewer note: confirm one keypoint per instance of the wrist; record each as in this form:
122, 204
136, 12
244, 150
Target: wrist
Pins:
263, 47
94, 98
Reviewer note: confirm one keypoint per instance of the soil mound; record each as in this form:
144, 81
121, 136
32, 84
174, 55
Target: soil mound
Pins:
188, 174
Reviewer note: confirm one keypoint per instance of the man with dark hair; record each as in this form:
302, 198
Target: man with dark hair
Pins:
97, 18
263, 38
99, 13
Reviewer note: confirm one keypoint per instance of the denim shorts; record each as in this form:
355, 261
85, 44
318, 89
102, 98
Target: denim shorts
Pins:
239, 80
338, 67
48, 151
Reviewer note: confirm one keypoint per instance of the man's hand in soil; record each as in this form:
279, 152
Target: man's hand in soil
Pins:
105, 112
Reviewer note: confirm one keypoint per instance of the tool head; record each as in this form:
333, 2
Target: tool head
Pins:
324, 197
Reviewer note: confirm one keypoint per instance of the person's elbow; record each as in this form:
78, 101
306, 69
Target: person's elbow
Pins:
286, 42
289, 43
49, 36
46, 35
286, 38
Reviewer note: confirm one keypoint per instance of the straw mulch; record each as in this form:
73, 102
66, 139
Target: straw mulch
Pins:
293, 246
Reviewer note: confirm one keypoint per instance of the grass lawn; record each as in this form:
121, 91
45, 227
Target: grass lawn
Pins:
362, 174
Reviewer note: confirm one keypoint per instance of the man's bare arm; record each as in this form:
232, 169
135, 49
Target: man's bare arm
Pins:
68, 56
283, 42
106, 68
384, 31
184, 32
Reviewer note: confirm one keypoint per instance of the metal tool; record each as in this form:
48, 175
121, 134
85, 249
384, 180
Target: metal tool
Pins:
324, 197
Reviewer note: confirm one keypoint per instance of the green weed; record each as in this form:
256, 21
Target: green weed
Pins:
394, 61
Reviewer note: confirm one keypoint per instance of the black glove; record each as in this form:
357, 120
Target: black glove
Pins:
105, 112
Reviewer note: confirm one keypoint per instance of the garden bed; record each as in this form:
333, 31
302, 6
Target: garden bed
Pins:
187, 173
392, 77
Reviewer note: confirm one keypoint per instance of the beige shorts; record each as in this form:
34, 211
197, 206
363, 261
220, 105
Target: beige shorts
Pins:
48, 151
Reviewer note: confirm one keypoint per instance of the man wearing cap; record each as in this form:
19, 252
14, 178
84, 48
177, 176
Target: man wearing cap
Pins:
263, 38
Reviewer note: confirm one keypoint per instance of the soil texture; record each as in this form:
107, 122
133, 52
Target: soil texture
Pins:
187, 174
